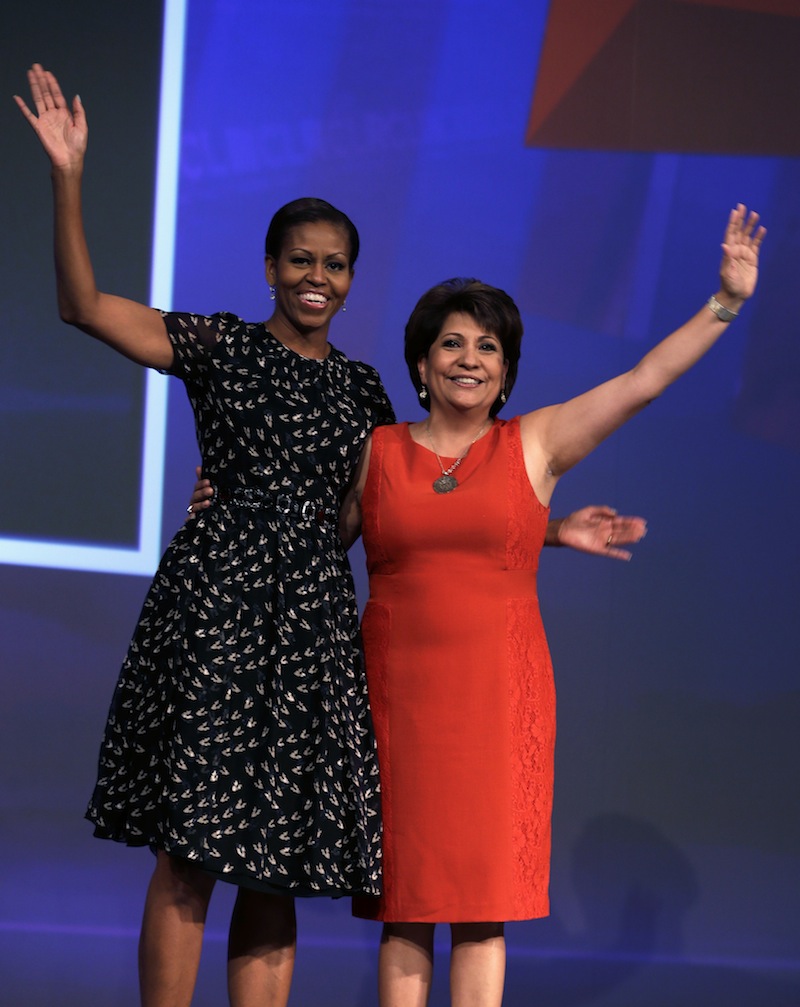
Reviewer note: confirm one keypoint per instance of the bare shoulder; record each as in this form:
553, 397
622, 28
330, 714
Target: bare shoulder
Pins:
532, 428
531, 424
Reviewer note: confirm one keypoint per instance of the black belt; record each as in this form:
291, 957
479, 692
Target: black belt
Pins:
283, 502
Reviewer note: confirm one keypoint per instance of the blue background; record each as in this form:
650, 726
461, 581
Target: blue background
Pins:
676, 864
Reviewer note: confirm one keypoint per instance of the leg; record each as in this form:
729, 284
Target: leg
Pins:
405, 964
172, 932
477, 965
261, 949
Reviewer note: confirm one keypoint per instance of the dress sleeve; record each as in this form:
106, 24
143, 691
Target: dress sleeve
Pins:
384, 413
194, 339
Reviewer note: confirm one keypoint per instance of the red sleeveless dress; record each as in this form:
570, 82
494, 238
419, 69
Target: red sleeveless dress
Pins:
460, 682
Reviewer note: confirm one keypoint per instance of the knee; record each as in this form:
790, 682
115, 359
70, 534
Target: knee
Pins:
420, 934
271, 917
476, 933
182, 881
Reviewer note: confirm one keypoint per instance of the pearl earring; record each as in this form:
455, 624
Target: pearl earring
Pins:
423, 393
271, 292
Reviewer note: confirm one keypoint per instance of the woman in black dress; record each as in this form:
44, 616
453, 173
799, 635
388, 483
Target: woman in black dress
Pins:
239, 744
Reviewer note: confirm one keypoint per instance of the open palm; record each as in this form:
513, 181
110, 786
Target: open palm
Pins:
601, 531
740, 247
62, 131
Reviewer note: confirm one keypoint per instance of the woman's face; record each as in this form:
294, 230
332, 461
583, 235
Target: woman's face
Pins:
465, 367
311, 276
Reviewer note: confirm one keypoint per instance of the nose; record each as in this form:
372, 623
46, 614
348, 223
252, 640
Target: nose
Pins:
468, 357
316, 273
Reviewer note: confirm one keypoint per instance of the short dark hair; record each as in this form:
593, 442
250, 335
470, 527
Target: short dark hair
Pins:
308, 210
490, 307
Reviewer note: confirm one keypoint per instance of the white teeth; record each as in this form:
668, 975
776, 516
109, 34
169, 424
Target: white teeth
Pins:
314, 298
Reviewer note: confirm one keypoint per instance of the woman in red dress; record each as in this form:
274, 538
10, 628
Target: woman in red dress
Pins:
454, 511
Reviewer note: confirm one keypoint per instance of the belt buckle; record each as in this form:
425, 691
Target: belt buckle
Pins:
283, 503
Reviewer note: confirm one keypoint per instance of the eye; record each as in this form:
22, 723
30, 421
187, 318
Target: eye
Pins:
490, 346
450, 342
299, 260
336, 266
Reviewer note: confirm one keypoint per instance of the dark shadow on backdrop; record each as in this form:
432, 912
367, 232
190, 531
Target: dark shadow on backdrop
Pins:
71, 410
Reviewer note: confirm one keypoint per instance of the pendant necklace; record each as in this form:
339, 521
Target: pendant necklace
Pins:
447, 482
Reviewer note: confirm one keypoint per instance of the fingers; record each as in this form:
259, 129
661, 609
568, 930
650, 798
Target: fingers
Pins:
202, 494
201, 498
613, 551
743, 228
53, 90
594, 514
42, 88
748, 225
78, 114
23, 107
45, 92
628, 529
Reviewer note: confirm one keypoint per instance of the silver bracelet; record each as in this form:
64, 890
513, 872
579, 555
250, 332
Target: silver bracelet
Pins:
723, 314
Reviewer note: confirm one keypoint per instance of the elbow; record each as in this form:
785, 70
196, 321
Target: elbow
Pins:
68, 309
648, 386
71, 312
66, 314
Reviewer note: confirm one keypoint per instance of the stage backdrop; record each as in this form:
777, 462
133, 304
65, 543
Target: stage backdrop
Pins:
583, 155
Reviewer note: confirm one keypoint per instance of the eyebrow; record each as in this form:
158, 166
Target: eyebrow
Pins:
307, 251
457, 332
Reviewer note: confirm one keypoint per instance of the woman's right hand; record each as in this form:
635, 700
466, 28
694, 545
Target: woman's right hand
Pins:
62, 132
131, 328
203, 492
598, 530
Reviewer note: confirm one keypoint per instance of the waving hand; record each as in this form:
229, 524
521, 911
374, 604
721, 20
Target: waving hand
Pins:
62, 132
738, 272
131, 328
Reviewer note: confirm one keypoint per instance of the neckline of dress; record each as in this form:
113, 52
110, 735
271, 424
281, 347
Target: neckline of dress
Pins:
481, 440
296, 353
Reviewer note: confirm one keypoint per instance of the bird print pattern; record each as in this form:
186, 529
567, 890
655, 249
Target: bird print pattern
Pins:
239, 735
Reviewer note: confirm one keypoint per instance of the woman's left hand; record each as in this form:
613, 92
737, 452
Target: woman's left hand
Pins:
740, 249
203, 492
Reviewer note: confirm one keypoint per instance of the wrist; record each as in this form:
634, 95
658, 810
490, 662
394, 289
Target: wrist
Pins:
553, 537
66, 172
724, 305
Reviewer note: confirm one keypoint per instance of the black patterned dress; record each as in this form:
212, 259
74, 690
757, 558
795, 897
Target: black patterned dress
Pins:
239, 735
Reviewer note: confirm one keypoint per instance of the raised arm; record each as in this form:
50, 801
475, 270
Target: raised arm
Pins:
132, 328
558, 437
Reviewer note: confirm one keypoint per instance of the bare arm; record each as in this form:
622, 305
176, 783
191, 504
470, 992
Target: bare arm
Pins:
350, 513
133, 329
558, 437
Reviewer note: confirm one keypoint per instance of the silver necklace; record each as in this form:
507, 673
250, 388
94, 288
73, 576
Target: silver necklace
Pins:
447, 482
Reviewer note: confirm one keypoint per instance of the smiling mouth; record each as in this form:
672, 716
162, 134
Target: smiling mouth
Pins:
466, 382
313, 299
